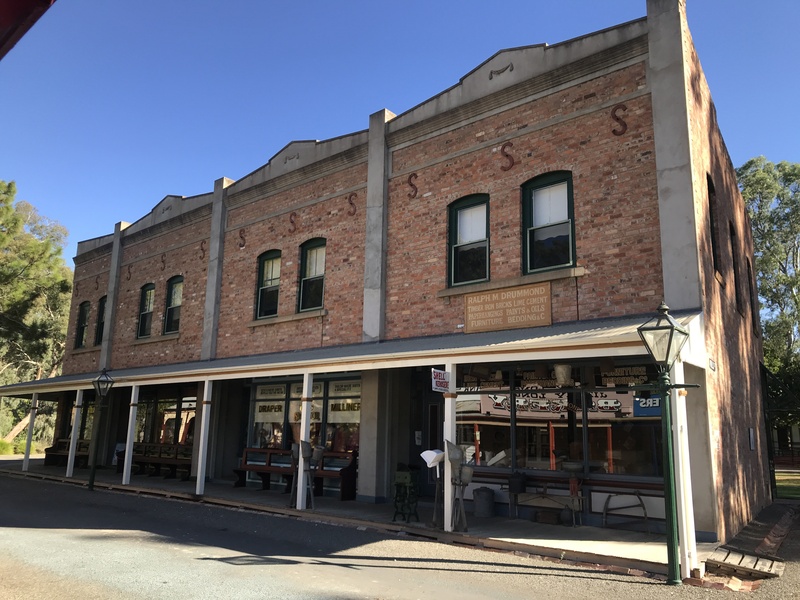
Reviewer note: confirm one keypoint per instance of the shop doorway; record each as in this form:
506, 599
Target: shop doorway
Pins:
432, 430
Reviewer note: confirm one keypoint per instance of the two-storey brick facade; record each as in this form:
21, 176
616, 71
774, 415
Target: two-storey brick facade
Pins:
513, 231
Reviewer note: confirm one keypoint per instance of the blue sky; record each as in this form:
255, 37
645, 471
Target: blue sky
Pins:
108, 106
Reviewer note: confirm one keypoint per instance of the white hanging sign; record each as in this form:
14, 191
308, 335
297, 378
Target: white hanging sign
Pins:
440, 381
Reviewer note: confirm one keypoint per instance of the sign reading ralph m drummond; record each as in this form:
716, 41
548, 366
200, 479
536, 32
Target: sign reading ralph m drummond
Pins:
510, 308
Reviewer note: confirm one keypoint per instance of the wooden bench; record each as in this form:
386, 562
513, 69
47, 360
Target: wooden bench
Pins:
264, 462
342, 466
149, 458
58, 453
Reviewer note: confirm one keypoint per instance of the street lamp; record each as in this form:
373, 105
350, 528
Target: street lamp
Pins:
102, 386
664, 338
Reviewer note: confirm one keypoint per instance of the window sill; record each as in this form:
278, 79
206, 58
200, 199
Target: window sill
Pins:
309, 314
517, 281
85, 350
161, 338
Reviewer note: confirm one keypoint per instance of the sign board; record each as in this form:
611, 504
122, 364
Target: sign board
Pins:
440, 381
509, 308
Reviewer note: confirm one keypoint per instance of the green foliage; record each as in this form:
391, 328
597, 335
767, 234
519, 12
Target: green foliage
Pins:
772, 194
35, 288
6, 448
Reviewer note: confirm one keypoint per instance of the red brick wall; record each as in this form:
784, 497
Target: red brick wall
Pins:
616, 220
90, 284
325, 208
156, 259
733, 340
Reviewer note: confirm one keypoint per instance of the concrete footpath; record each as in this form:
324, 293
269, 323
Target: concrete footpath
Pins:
610, 548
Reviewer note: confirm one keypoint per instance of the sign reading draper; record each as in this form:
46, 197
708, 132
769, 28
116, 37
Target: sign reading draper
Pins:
510, 308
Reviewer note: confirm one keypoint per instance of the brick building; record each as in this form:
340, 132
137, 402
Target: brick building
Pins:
513, 231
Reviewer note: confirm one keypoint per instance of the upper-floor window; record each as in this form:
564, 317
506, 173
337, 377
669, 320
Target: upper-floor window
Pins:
753, 298
146, 310
469, 240
101, 321
312, 274
735, 266
172, 315
548, 222
269, 278
712, 221
82, 325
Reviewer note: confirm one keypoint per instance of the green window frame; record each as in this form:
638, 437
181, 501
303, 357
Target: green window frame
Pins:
312, 275
146, 299
548, 222
468, 240
101, 321
82, 324
172, 314
268, 284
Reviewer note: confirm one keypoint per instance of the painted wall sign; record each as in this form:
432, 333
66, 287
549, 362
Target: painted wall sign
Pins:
510, 308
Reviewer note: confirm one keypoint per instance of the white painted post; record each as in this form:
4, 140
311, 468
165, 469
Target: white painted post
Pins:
449, 435
77, 412
305, 434
205, 421
683, 478
131, 438
31, 419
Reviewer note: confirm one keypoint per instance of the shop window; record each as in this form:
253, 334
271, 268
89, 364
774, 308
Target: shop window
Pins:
82, 325
335, 415
269, 276
547, 211
101, 321
604, 432
146, 298
172, 315
469, 240
312, 278
166, 420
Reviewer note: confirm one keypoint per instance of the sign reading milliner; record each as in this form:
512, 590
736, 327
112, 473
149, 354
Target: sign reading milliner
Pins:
511, 308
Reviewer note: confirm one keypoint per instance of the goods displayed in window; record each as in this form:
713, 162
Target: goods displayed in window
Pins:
533, 426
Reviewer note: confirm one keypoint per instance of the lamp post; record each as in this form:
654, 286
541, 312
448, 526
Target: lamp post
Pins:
664, 338
102, 386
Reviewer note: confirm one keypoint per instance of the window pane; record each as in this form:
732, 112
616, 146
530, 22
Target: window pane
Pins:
471, 224
470, 263
173, 319
315, 261
268, 301
145, 320
311, 293
147, 300
271, 272
549, 246
176, 294
550, 204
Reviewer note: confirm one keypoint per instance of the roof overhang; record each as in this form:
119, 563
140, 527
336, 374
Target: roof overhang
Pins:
16, 18
564, 341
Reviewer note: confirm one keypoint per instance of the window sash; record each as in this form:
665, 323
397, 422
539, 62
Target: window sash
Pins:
550, 246
471, 224
471, 262
101, 321
172, 316
83, 325
146, 313
311, 292
314, 262
550, 204
267, 301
